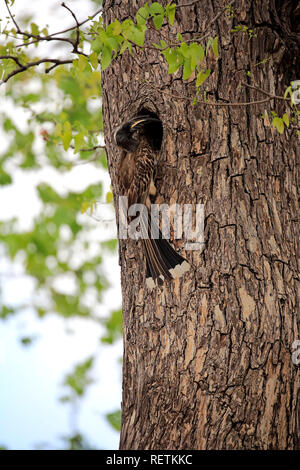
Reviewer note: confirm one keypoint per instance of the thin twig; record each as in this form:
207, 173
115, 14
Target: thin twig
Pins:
45, 38
79, 24
12, 17
11, 57
57, 63
188, 4
50, 36
94, 148
76, 44
247, 103
265, 92
180, 97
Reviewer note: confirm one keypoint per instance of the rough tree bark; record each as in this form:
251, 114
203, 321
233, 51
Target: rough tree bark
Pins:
207, 359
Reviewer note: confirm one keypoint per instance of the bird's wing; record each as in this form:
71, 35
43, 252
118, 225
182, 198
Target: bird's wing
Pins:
143, 173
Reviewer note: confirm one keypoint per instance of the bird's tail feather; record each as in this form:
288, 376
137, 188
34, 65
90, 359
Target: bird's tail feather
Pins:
163, 262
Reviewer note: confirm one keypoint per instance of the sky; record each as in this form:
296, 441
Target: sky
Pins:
31, 415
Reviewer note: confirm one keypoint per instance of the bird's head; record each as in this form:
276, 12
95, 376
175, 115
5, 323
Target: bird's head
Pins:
128, 134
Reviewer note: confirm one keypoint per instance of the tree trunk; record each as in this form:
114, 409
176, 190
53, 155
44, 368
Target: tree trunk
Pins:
207, 359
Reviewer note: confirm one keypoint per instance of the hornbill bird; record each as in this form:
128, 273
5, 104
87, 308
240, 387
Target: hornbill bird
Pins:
140, 137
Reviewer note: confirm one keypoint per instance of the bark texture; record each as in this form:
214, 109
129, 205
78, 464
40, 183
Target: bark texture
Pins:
207, 359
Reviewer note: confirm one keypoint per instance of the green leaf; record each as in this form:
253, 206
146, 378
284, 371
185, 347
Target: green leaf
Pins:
94, 191
111, 245
66, 140
82, 62
27, 340
208, 44
124, 46
286, 120
97, 45
85, 205
109, 197
113, 327
138, 35
288, 91
115, 419
79, 379
184, 50
143, 14
103, 160
93, 58
173, 58
117, 28
34, 29
157, 12
196, 53
106, 57
112, 43
67, 135
157, 8
215, 47
170, 12
133, 33
201, 77
47, 194
278, 124
5, 178
187, 69
158, 21
6, 311
78, 141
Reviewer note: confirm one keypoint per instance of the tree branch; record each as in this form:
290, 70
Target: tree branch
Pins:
12, 17
265, 92
76, 44
30, 35
51, 37
23, 67
11, 57
180, 97
188, 4
94, 148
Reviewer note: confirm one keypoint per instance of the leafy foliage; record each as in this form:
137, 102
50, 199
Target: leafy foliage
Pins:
60, 128
113, 326
115, 419
61, 102
77, 442
79, 379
